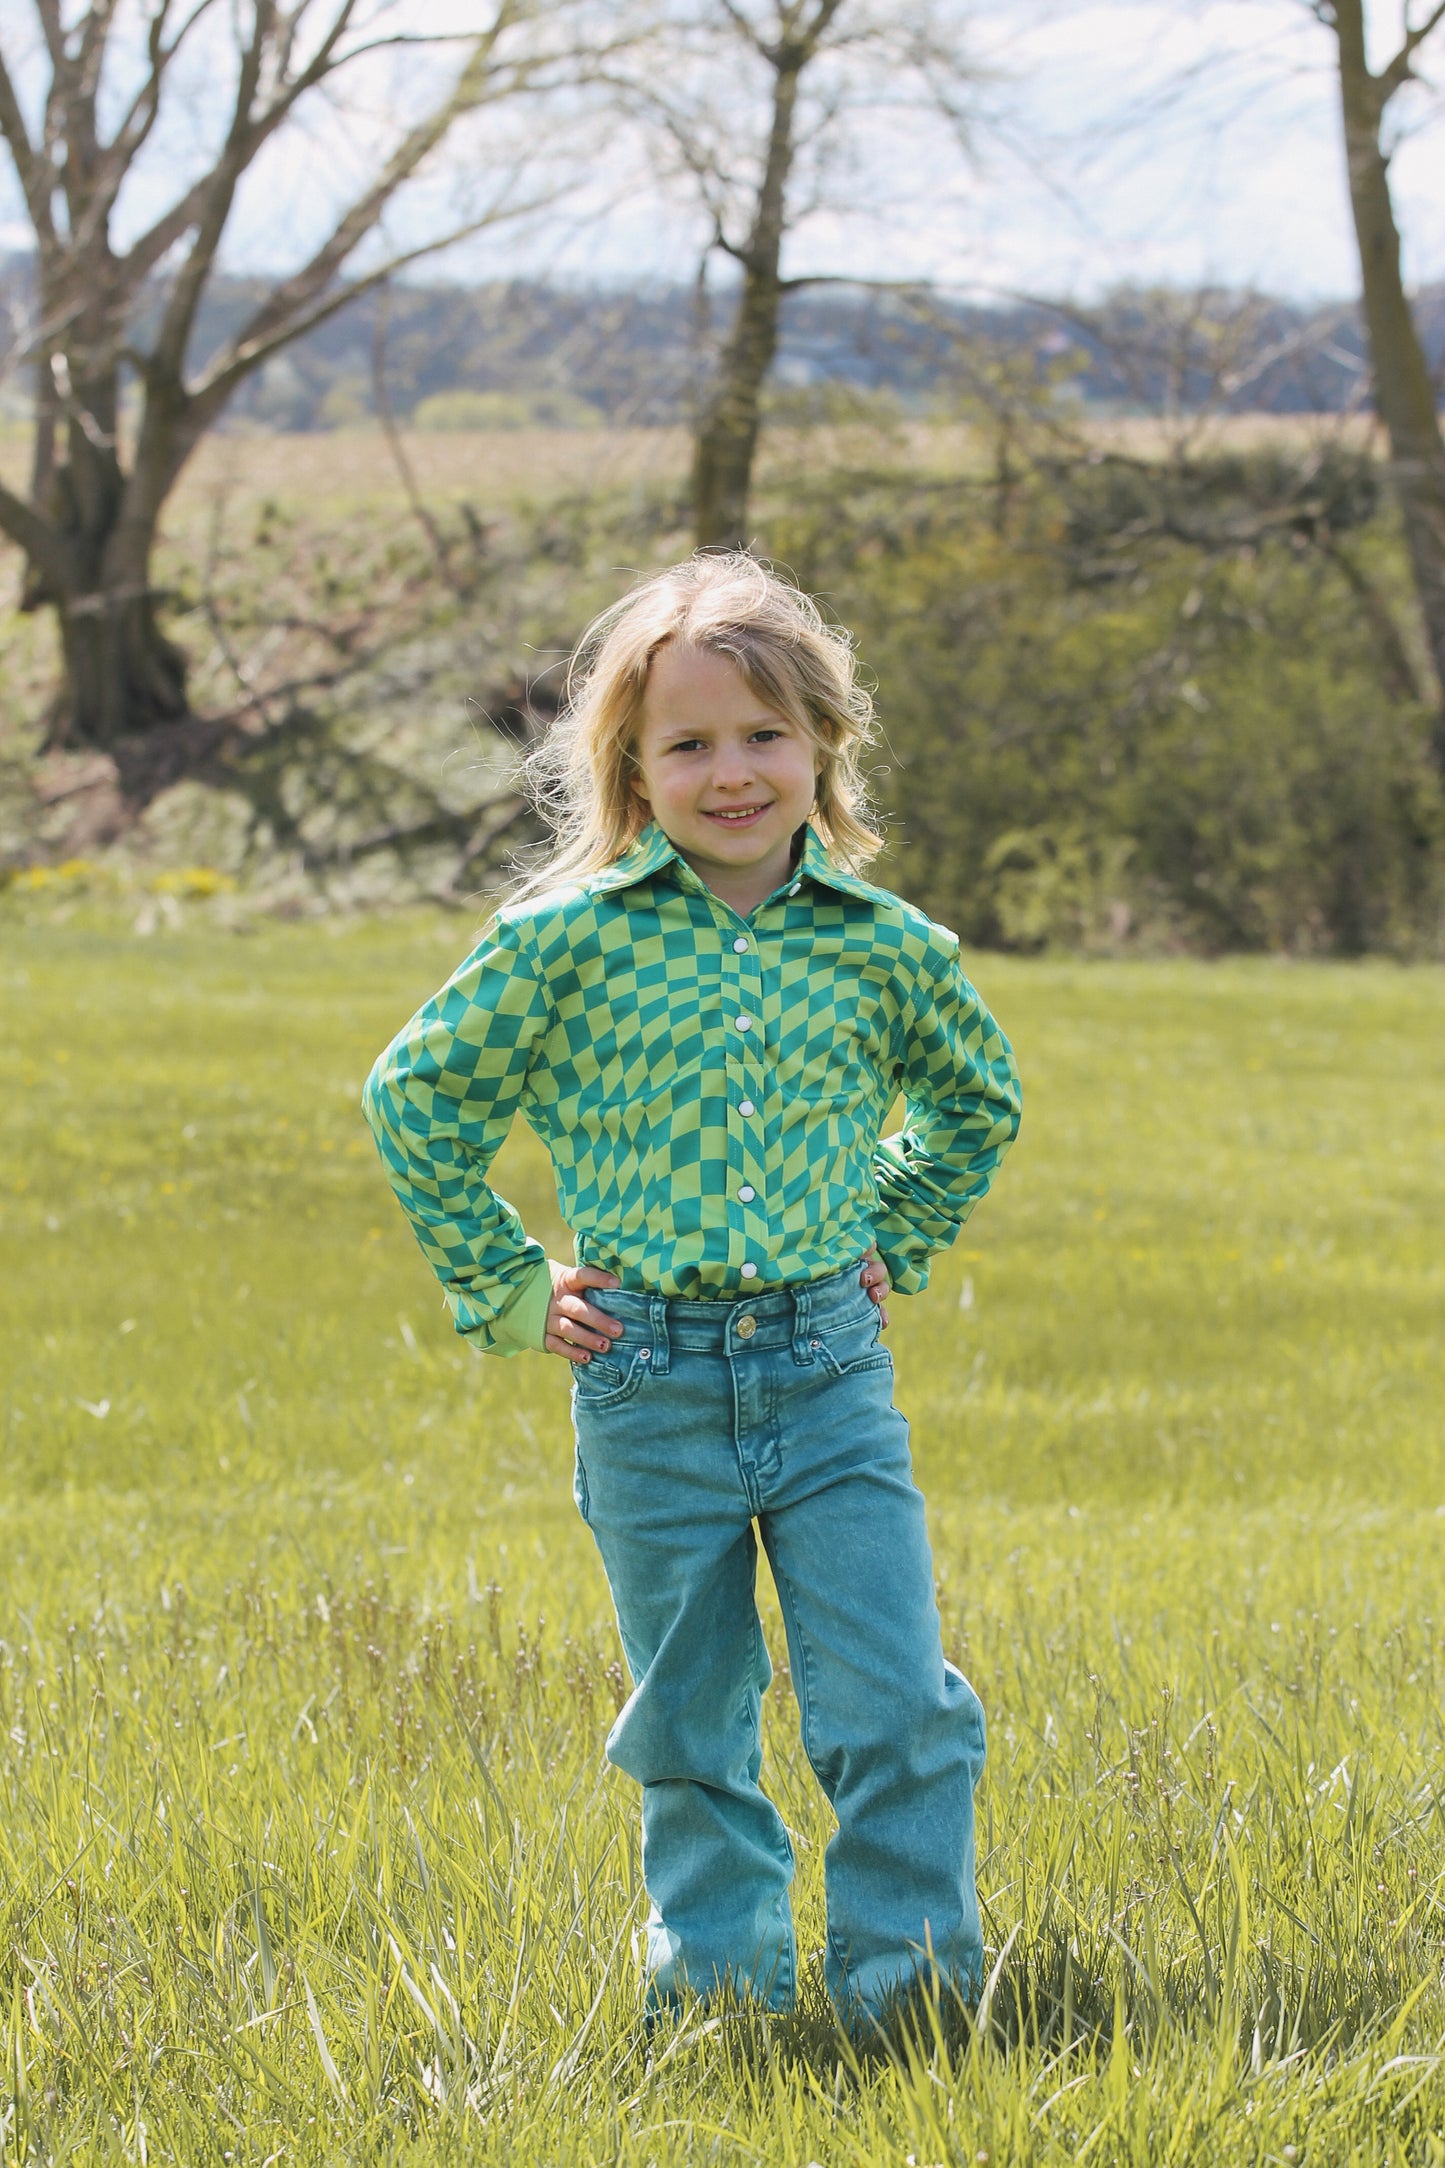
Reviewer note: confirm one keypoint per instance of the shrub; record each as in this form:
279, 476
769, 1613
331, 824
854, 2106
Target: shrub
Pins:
1172, 745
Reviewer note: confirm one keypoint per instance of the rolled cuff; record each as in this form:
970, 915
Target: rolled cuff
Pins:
521, 1327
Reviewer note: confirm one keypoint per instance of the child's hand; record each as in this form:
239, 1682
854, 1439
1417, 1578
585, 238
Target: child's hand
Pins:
875, 1278
574, 1328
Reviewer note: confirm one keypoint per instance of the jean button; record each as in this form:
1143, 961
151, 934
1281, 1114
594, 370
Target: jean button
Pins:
747, 1326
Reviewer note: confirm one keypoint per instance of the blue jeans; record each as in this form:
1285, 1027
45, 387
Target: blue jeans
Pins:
777, 1409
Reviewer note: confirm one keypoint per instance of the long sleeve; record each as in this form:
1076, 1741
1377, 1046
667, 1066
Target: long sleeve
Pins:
963, 1106
440, 1101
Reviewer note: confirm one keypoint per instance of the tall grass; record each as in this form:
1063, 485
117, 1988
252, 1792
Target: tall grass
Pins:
308, 1850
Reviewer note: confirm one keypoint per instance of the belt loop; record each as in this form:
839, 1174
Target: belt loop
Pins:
657, 1327
802, 1320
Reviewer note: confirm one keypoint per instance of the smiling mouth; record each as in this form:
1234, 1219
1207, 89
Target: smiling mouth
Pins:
737, 816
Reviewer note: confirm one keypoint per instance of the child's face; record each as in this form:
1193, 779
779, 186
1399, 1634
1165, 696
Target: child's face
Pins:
727, 779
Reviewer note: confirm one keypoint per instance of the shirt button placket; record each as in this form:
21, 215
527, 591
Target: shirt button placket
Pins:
748, 1235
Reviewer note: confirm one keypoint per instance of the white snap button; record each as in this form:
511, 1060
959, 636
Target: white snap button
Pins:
795, 887
745, 1023
750, 1272
747, 1193
745, 1106
740, 945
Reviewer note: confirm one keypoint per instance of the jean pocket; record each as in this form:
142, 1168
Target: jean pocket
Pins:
603, 1383
854, 1345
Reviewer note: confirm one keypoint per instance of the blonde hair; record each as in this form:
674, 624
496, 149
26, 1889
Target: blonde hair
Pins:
726, 603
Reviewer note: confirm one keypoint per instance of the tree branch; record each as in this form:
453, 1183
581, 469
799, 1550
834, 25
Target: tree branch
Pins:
285, 311
1404, 676
386, 415
125, 145
94, 30
852, 278
1401, 68
247, 352
819, 27
54, 29
35, 535
745, 29
152, 246
31, 169
216, 193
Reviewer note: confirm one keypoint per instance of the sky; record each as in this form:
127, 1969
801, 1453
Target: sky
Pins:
1179, 141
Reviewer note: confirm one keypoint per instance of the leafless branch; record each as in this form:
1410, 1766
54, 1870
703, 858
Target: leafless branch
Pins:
32, 168
255, 345
24, 525
381, 396
1399, 70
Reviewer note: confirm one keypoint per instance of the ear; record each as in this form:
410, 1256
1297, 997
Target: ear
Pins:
635, 779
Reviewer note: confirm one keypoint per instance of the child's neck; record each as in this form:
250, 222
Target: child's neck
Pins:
743, 888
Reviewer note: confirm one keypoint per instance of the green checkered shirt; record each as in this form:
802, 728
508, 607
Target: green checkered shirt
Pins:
710, 1088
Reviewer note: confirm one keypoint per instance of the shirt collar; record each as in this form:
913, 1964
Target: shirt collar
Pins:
652, 853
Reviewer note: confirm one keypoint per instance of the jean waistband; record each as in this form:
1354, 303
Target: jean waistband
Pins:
776, 1318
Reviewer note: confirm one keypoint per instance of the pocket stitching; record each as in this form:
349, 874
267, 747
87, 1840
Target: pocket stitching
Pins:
883, 1361
614, 1393
875, 1357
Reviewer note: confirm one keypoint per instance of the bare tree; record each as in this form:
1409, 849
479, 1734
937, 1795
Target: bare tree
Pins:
1404, 388
755, 109
76, 118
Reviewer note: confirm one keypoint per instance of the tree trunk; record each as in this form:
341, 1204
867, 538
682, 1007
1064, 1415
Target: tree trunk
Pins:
1404, 391
122, 675
727, 439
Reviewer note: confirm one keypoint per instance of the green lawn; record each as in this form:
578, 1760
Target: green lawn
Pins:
307, 1847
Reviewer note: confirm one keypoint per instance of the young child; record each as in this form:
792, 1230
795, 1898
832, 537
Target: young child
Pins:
705, 1014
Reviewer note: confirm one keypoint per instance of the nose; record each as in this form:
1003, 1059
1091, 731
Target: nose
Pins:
732, 769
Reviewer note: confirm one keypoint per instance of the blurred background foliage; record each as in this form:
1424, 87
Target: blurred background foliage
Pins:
1130, 699
1105, 725
1125, 703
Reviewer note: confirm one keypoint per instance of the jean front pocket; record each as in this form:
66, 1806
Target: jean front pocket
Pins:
606, 1383
853, 1345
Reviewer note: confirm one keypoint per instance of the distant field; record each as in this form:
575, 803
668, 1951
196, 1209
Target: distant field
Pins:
307, 1849
492, 468
497, 468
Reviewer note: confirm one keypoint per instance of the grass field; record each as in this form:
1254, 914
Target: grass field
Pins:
307, 1848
